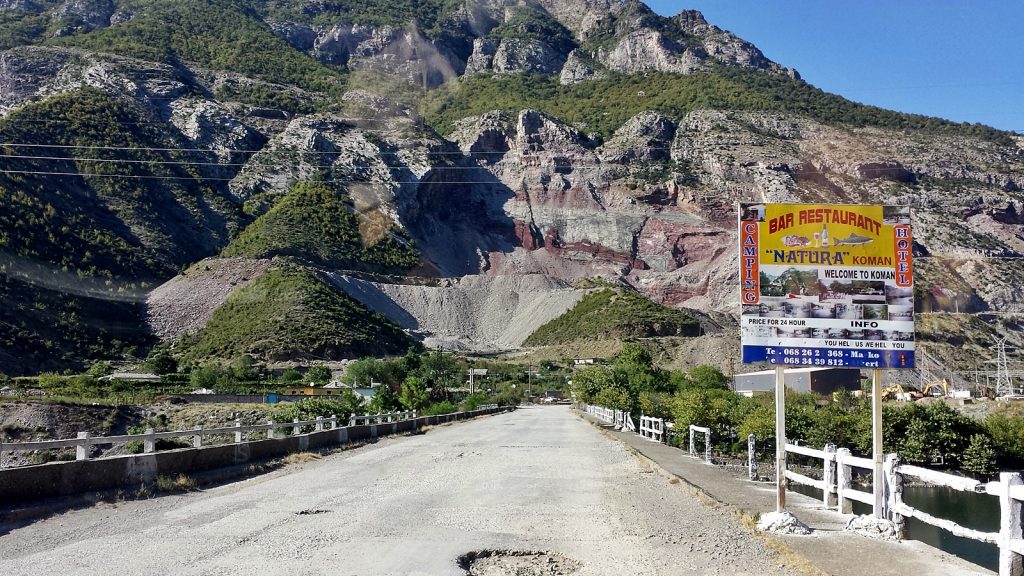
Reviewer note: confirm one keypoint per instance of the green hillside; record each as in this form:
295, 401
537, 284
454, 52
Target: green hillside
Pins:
602, 106
85, 228
291, 313
86, 203
220, 34
612, 313
314, 222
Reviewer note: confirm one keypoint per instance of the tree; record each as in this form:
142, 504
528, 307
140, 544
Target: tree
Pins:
291, 376
385, 400
212, 376
243, 367
438, 369
1007, 434
588, 382
161, 363
706, 407
614, 398
98, 369
318, 375
706, 376
366, 371
980, 456
414, 393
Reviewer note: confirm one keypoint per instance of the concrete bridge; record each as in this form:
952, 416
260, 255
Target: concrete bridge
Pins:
536, 491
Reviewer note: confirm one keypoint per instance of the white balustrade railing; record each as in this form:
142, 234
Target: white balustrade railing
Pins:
606, 415
652, 428
629, 425
1009, 489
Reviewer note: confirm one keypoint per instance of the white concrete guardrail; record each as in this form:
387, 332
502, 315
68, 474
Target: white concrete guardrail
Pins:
384, 418
707, 442
606, 415
836, 485
837, 492
85, 441
652, 428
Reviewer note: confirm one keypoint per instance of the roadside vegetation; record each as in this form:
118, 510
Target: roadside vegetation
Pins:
929, 432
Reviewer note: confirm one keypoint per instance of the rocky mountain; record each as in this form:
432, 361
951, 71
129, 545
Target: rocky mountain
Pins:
412, 160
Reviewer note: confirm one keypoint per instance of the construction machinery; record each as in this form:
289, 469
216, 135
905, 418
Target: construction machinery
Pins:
938, 387
897, 392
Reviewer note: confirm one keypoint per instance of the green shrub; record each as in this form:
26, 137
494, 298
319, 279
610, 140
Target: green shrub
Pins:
438, 409
470, 403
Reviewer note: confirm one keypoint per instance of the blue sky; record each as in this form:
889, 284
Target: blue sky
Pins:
961, 60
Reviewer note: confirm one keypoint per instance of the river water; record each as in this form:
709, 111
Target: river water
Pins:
977, 511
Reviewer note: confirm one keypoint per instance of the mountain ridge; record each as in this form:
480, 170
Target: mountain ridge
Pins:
568, 139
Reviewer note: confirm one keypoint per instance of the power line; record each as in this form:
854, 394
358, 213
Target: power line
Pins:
247, 164
216, 179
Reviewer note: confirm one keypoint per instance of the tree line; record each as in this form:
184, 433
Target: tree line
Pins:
929, 433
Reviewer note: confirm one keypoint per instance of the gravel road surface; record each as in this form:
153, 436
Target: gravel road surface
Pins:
538, 480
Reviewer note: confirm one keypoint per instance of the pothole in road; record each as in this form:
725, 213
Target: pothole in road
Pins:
312, 511
517, 563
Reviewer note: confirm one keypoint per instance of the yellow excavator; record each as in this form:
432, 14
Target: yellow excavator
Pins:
936, 388
897, 392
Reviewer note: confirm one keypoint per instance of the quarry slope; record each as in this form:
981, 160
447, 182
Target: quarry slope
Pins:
474, 313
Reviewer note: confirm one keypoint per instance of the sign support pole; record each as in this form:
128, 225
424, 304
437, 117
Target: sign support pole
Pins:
877, 483
780, 438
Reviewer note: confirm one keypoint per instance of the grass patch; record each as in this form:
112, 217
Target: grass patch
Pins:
301, 458
179, 483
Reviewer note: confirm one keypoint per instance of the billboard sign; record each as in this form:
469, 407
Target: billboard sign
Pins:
826, 285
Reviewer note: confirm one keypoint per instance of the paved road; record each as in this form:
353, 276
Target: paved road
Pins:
536, 479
